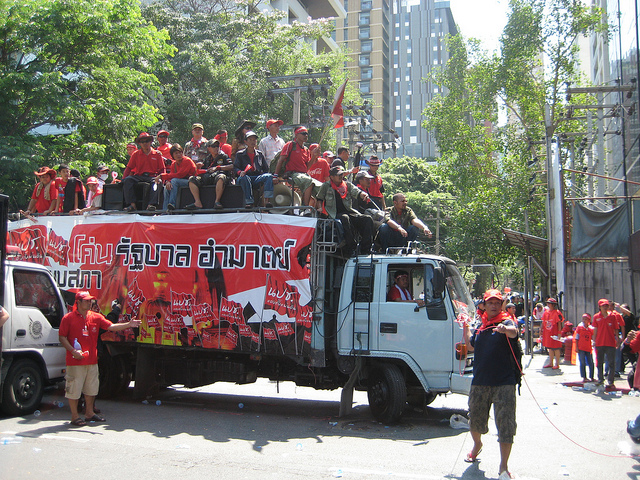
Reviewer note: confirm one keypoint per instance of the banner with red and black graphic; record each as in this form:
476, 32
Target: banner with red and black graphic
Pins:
224, 281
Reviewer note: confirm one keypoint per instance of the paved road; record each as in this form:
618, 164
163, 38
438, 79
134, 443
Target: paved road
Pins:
266, 431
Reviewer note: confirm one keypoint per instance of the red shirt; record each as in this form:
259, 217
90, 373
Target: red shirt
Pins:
376, 188
164, 150
397, 293
140, 163
319, 170
551, 322
584, 334
61, 185
607, 328
86, 330
186, 169
298, 159
42, 204
226, 148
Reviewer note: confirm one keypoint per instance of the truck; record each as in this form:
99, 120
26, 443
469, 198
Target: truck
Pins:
31, 356
238, 295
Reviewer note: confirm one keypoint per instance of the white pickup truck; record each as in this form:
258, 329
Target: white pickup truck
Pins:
31, 354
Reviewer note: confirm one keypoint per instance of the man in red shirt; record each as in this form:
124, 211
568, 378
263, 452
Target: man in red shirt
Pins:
44, 198
318, 167
222, 136
376, 189
607, 324
164, 146
294, 160
145, 164
79, 331
179, 172
399, 292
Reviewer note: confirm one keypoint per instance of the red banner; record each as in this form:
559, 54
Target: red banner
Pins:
210, 280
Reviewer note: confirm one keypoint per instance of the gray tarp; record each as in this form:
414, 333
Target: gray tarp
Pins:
600, 234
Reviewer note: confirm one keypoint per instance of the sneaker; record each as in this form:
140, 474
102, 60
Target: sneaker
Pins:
151, 208
505, 475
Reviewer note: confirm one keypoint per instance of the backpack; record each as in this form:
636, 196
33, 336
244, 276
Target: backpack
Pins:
515, 356
276, 159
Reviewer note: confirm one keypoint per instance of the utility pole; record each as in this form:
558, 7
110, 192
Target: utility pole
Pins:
313, 85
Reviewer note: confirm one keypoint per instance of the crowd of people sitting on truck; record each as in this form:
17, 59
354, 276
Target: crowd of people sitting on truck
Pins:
252, 164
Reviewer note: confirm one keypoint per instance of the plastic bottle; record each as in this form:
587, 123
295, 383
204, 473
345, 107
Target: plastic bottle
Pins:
76, 345
36, 413
10, 440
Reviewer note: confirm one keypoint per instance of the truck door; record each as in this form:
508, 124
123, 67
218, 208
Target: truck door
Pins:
425, 333
35, 317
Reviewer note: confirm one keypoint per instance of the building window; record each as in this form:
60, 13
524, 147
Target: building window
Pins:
365, 33
365, 87
364, 61
365, 5
366, 73
366, 46
365, 19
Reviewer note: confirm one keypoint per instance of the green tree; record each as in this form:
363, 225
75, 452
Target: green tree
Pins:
86, 67
490, 166
226, 50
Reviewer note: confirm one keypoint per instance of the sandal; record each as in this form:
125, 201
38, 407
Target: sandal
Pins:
78, 422
95, 418
505, 475
471, 458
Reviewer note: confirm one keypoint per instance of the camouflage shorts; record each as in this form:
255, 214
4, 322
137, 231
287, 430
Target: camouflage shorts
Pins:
503, 398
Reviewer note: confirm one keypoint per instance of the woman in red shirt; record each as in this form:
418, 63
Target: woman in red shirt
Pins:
551, 325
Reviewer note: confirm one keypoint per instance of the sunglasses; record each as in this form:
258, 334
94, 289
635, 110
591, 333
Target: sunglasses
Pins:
304, 133
163, 136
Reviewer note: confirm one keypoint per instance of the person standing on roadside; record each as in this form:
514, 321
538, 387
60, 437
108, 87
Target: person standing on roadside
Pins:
607, 324
552, 321
494, 380
79, 330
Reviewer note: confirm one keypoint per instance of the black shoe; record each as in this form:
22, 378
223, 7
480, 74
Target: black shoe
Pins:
268, 205
171, 207
151, 208
130, 208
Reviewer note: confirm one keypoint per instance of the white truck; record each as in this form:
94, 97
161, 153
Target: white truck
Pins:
239, 295
31, 354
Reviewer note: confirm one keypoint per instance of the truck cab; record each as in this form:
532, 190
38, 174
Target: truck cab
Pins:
410, 349
32, 355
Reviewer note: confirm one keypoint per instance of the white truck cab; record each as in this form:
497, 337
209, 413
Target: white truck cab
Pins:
32, 355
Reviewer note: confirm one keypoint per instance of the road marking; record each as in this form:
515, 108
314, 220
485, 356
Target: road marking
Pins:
50, 436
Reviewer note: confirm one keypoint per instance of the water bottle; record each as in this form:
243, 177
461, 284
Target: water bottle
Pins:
76, 345
10, 440
36, 413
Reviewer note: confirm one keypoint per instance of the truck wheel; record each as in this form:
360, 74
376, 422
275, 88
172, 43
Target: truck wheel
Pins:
387, 393
114, 375
23, 388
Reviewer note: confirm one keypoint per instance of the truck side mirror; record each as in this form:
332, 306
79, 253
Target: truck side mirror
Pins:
438, 282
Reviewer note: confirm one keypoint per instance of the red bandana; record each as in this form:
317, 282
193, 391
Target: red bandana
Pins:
341, 189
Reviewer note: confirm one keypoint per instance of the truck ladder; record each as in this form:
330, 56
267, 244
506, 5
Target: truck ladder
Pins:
363, 296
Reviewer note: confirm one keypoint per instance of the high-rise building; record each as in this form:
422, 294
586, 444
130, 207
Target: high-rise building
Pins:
394, 44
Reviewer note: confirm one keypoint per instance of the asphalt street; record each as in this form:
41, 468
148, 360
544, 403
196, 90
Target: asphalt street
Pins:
271, 431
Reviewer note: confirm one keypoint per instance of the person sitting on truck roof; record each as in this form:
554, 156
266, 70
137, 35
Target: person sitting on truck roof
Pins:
401, 225
79, 331
44, 198
399, 292
337, 196
94, 197
143, 165
70, 191
217, 170
180, 171
252, 170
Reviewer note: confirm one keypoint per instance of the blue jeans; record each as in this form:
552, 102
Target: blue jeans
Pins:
388, 237
247, 182
585, 359
170, 196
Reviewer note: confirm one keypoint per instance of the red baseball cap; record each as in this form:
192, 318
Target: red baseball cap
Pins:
493, 293
552, 300
92, 180
603, 301
84, 295
272, 122
163, 132
587, 316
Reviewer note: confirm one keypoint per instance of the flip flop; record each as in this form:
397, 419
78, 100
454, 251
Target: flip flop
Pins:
78, 422
471, 458
95, 418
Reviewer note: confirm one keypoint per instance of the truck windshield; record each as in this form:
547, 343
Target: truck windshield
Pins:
459, 294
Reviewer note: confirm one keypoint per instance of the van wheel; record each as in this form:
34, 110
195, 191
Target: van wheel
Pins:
23, 388
387, 393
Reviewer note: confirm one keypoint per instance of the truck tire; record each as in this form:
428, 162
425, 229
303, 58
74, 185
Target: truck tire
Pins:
114, 375
387, 393
23, 388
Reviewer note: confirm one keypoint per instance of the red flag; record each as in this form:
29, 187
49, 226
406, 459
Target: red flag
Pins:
336, 111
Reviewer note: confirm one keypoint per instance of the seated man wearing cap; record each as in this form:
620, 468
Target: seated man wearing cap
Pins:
145, 164
272, 143
164, 146
293, 162
94, 197
44, 198
178, 176
251, 169
401, 225
102, 175
195, 148
337, 196
78, 334
217, 170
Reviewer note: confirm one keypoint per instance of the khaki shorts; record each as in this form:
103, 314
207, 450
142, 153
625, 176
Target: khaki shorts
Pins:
81, 379
503, 398
302, 181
